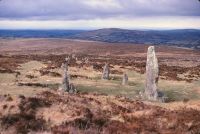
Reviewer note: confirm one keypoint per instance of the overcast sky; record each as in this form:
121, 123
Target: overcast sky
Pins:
93, 14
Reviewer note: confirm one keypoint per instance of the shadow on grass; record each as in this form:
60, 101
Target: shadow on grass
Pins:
42, 85
115, 90
180, 95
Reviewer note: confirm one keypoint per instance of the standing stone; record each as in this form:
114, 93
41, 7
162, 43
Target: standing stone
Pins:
125, 79
151, 75
73, 56
65, 80
106, 72
66, 85
72, 88
86, 60
68, 59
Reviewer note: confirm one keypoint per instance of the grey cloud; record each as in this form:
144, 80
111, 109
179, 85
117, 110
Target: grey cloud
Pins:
91, 9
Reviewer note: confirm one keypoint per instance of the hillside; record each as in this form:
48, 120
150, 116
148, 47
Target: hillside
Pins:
184, 38
189, 38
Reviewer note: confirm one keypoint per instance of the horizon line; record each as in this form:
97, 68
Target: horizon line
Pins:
91, 29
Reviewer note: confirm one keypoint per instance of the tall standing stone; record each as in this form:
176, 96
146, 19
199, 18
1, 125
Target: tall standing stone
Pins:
151, 75
125, 79
106, 72
65, 80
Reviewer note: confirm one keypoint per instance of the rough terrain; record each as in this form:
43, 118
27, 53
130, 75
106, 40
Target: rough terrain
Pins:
92, 113
30, 74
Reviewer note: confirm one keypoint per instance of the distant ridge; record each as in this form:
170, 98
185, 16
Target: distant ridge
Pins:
38, 33
182, 38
